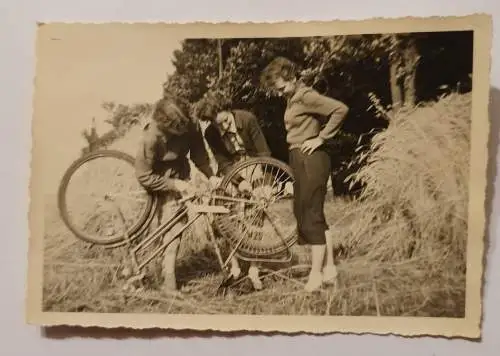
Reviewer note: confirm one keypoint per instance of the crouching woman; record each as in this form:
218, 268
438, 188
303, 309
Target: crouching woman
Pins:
162, 167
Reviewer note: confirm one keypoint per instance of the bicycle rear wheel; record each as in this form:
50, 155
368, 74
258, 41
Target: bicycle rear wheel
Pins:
265, 229
110, 206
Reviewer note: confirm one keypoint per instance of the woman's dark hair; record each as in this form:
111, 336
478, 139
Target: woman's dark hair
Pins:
279, 67
207, 108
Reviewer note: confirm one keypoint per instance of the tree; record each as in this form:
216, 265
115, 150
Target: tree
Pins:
356, 69
121, 117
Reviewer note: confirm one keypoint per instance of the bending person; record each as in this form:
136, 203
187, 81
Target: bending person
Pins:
162, 167
233, 136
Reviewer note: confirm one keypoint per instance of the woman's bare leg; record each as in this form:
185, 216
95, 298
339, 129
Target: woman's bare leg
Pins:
169, 259
170, 253
315, 278
329, 269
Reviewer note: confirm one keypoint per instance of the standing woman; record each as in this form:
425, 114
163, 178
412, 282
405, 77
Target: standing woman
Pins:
310, 119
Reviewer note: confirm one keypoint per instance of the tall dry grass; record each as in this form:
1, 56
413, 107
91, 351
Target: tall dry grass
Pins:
404, 241
411, 219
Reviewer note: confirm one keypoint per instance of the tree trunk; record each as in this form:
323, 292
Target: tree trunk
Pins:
411, 59
396, 93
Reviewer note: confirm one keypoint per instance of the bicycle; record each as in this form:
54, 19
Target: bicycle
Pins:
239, 219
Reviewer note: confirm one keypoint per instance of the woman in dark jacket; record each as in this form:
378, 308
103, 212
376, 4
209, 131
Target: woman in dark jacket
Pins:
310, 119
234, 135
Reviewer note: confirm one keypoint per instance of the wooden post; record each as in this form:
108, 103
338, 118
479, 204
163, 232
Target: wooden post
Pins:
219, 48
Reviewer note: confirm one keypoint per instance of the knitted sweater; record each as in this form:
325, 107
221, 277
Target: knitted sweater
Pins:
309, 114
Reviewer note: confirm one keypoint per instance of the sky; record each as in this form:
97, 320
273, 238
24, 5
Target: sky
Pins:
79, 67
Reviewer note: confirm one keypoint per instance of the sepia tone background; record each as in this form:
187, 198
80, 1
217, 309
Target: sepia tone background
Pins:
408, 346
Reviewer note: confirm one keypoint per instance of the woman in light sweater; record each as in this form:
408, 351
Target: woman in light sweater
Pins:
310, 119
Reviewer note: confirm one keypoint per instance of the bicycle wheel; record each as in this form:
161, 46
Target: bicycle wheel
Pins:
103, 214
266, 228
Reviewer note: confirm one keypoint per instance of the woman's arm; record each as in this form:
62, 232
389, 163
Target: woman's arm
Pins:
258, 137
326, 107
199, 154
214, 142
144, 163
319, 105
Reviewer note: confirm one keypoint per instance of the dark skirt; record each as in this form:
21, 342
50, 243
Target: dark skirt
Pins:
311, 174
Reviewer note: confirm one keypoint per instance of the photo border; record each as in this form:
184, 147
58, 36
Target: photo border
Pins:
469, 327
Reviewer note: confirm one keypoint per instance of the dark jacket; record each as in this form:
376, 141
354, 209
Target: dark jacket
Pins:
158, 159
248, 129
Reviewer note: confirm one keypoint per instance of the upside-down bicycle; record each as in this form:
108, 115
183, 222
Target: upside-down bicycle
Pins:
257, 227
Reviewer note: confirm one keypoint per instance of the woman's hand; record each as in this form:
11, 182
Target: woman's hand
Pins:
184, 187
215, 182
245, 187
311, 145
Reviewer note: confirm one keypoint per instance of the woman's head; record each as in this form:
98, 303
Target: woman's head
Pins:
211, 106
170, 117
280, 75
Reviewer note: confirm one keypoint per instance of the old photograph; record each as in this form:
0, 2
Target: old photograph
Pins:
275, 177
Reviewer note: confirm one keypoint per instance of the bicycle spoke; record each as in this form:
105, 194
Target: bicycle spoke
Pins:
93, 184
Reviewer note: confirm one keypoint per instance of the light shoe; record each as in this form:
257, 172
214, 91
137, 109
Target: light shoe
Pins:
314, 282
235, 272
330, 275
253, 275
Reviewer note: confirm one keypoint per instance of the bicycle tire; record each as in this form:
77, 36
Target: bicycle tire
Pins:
136, 229
228, 230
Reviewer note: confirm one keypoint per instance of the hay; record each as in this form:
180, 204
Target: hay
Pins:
405, 237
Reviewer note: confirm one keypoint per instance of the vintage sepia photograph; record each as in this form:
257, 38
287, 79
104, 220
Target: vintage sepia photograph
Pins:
273, 177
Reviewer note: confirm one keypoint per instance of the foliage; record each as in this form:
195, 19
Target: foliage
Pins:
122, 118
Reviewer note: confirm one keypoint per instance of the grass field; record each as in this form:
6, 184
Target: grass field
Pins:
405, 241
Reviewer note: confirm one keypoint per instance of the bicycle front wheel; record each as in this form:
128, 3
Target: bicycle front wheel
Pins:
101, 201
263, 225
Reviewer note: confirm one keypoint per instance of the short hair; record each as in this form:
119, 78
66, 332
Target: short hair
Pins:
171, 116
207, 108
279, 67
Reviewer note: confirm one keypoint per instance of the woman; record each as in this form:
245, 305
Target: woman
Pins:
162, 167
310, 119
233, 135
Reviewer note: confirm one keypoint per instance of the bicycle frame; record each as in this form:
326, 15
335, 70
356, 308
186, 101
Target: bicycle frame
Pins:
186, 206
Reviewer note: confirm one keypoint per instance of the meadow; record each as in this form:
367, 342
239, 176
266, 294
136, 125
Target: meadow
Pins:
403, 240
